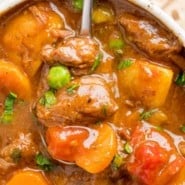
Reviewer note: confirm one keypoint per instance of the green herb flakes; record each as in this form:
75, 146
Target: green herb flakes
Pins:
182, 128
96, 62
117, 162
48, 99
104, 110
180, 80
125, 64
159, 128
71, 89
43, 162
7, 114
128, 148
145, 115
16, 155
116, 44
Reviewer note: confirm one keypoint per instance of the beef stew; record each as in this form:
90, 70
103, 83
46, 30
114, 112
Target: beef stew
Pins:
106, 109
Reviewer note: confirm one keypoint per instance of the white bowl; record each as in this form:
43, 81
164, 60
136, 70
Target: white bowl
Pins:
6, 5
163, 17
149, 6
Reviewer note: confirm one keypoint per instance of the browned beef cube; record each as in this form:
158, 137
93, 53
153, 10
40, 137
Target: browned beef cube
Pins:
89, 102
77, 52
149, 36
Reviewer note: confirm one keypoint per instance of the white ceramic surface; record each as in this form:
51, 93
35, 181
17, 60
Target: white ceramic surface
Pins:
175, 8
6, 5
157, 12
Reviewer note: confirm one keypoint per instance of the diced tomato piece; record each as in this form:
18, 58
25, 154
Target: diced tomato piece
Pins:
149, 159
155, 158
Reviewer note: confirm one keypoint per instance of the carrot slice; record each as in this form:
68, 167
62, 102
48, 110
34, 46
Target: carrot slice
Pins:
12, 79
28, 178
63, 143
100, 154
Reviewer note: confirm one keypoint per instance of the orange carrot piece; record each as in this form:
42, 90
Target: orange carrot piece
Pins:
12, 79
28, 178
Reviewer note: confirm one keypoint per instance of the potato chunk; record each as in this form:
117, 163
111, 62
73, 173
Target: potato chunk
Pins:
25, 34
146, 82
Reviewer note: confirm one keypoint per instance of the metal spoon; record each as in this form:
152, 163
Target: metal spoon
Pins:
86, 18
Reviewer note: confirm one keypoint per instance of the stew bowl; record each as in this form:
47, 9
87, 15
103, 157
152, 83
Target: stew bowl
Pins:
90, 99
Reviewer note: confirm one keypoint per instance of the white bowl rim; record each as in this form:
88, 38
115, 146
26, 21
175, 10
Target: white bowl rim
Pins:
6, 5
147, 5
162, 16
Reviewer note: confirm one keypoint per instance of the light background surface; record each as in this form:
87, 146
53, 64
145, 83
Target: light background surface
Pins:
175, 8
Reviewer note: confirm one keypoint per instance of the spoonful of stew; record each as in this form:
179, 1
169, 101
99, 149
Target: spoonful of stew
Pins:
92, 148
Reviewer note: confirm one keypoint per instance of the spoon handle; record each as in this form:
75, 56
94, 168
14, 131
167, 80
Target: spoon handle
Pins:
86, 18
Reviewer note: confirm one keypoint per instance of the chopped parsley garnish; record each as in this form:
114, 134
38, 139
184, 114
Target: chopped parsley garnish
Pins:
117, 162
77, 4
71, 89
43, 162
159, 128
98, 123
16, 155
125, 64
116, 44
48, 99
104, 110
145, 115
182, 128
128, 148
97, 62
7, 115
180, 80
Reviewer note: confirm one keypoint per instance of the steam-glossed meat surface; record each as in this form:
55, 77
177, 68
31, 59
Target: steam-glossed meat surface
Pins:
148, 36
77, 52
92, 101
24, 143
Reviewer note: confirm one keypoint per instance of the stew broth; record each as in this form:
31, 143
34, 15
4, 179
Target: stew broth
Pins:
136, 81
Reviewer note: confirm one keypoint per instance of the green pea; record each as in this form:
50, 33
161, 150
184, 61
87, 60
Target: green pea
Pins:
77, 4
58, 77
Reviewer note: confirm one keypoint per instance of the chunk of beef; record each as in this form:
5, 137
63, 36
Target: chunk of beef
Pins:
89, 102
77, 52
4, 165
149, 36
24, 143
61, 33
